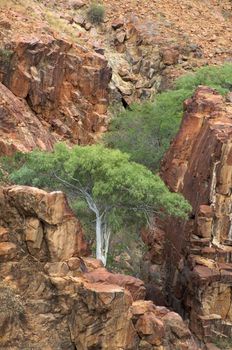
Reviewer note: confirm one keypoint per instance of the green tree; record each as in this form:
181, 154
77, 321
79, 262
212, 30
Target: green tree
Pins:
145, 130
114, 188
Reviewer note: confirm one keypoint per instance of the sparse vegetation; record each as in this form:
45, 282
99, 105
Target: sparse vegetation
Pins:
61, 26
96, 13
10, 304
127, 249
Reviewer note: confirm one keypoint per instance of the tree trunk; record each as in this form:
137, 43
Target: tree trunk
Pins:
102, 235
102, 239
106, 241
99, 239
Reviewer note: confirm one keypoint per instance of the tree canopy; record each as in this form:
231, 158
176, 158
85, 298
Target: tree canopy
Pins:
114, 188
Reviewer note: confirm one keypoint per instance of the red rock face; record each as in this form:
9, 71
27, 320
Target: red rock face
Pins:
65, 86
20, 129
196, 255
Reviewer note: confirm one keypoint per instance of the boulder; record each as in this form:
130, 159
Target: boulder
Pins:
48, 222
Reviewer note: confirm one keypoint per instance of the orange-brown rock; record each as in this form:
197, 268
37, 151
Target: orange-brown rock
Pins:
141, 58
52, 298
195, 256
159, 328
50, 55
64, 85
20, 129
134, 285
43, 220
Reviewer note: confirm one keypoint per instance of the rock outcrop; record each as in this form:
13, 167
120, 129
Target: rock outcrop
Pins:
191, 261
65, 87
42, 223
143, 62
54, 297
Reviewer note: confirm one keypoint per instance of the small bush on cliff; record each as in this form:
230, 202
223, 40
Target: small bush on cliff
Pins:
115, 190
96, 13
145, 130
5, 54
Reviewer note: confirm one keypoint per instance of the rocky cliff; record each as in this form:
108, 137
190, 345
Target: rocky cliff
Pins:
191, 261
61, 87
52, 297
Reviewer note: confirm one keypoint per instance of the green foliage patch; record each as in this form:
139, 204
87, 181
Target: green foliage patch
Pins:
146, 130
223, 343
5, 54
104, 186
96, 13
107, 174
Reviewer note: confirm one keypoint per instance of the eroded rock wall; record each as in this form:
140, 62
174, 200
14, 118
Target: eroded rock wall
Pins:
193, 263
54, 297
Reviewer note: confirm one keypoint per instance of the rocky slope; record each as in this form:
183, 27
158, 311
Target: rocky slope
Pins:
192, 261
51, 298
150, 43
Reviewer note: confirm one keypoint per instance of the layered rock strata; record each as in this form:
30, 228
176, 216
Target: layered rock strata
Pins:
51, 298
190, 262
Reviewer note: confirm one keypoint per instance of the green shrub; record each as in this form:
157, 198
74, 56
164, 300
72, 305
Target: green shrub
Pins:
96, 13
5, 54
216, 77
146, 130
223, 343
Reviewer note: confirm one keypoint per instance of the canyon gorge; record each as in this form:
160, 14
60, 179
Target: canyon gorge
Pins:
59, 78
